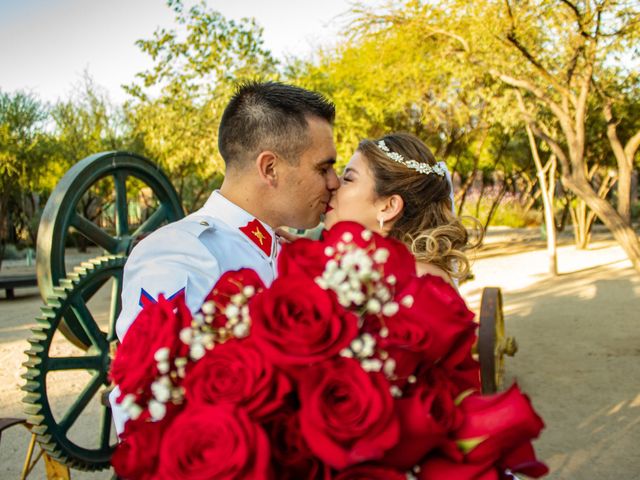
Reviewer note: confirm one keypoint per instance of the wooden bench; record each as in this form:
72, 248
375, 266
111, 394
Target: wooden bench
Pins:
9, 283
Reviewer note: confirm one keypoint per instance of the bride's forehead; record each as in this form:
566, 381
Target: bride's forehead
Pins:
357, 162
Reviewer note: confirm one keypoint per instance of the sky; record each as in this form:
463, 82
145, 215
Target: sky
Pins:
46, 45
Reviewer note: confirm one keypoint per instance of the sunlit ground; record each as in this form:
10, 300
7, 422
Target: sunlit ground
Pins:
579, 353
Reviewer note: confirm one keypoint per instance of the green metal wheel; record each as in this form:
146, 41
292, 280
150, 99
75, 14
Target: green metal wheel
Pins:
63, 216
68, 432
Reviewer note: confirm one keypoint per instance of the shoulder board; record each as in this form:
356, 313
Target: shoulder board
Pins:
196, 225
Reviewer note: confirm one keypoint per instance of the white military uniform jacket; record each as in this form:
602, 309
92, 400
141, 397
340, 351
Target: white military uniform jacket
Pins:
191, 255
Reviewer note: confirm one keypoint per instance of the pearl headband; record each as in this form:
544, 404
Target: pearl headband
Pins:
419, 167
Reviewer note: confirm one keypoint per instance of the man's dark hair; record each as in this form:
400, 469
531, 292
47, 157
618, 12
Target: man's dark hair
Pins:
269, 116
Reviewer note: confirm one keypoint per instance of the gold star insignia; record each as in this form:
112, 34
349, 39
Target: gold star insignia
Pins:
258, 234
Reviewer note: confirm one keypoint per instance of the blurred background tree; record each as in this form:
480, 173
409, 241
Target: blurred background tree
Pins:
564, 58
176, 105
23, 152
530, 103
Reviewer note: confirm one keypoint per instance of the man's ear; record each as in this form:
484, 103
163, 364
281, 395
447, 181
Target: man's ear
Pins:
266, 163
392, 208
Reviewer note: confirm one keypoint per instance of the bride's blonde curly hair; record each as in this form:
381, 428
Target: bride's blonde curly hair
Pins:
426, 225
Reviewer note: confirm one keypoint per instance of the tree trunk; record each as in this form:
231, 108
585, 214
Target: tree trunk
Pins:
583, 216
634, 186
549, 215
582, 219
566, 210
495, 204
624, 191
624, 158
528, 197
547, 200
462, 193
622, 232
479, 201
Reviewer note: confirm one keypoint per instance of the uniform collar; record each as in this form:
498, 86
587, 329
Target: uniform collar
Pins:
258, 234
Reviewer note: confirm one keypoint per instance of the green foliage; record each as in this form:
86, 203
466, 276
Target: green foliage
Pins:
176, 106
509, 213
21, 135
390, 76
23, 158
448, 70
431, 68
85, 123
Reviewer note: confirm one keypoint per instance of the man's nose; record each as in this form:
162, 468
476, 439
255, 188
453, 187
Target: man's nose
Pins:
333, 183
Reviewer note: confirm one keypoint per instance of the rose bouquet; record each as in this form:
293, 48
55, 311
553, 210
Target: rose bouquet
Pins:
348, 366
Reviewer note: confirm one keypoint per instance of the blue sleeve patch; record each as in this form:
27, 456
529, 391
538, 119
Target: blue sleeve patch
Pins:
146, 298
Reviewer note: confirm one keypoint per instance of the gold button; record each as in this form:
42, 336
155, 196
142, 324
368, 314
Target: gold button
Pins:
204, 223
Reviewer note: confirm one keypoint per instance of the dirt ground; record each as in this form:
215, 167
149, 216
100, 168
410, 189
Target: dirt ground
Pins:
578, 358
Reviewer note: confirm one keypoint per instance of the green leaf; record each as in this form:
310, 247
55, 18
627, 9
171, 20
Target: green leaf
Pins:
462, 396
469, 444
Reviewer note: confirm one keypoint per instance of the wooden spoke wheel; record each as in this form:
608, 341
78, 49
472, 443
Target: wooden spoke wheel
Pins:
493, 344
62, 215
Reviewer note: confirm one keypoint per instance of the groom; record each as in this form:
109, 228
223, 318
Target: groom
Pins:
277, 144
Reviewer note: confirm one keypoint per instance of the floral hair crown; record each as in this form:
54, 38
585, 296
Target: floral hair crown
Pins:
420, 167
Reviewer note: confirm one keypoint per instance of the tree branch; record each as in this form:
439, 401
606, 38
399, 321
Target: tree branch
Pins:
513, 40
628, 152
556, 148
564, 118
578, 14
581, 112
632, 145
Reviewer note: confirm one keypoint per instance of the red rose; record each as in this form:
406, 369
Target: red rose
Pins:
346, 414
206, 442
295, 322
291, 457
440, 468
499, 424
431, 319
237, 373
157, 326
400, 262
462, 369
302, 257
136, 456
523, 460
370, 472
427, 417
230, 284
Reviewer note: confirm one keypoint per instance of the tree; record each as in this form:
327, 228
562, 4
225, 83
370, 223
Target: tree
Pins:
176, 106
388, 79
87, 122
564, 85
558, 54
546, 186
22, 158
84, 123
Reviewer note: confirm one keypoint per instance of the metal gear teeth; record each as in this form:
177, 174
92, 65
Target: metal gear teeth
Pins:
36, 404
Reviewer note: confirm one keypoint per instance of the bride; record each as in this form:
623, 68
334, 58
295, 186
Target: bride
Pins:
395, 187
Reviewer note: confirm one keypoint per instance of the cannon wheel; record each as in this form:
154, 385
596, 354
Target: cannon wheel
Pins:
60, 215
493, 344
69, 300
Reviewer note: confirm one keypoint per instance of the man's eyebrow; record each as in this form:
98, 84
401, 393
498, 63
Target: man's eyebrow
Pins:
328, 161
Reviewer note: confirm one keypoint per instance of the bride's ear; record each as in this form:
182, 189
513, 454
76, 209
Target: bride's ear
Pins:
392, 208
